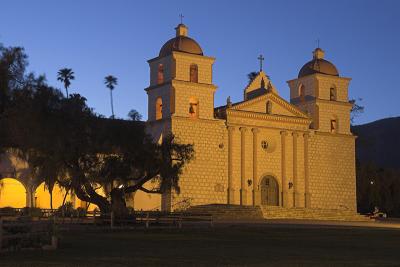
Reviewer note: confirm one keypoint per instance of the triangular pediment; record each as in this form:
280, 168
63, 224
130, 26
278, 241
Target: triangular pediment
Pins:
279, 106
259, 85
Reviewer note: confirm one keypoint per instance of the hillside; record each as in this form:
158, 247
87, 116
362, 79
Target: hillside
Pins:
379, 142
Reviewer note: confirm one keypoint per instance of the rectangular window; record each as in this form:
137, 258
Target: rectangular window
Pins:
333, 126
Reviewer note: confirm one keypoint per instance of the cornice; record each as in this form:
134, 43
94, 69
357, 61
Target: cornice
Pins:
268, 117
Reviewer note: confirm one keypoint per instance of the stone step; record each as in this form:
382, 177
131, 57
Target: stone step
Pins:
237, 212
311, 214
229, 212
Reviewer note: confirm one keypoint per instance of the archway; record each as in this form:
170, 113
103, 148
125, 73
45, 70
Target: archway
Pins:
42, 197
12, 193
269, 191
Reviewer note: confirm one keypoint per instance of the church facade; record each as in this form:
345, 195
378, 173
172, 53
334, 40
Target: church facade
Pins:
263, 150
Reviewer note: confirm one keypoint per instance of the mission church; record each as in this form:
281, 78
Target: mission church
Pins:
263, 150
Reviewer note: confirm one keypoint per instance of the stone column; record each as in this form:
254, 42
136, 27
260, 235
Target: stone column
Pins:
243, 183
28, 193
256, 189
296, 194
231, 192
307, 194
283, 169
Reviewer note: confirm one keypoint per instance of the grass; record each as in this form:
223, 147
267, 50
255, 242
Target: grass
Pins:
231, 245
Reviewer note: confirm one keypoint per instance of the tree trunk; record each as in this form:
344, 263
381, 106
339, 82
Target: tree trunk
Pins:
51, 199
112, 104
66, 90
118, 204
91, 196
65, 196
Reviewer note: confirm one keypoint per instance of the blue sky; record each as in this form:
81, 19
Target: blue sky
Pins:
97, 38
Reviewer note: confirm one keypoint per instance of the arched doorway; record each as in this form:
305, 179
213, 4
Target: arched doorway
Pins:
12, 193
269, 191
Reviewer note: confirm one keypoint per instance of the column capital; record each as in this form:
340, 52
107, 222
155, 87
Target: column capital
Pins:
243, 129
306, 135
295, 134
231, 128
284, 133
255, 130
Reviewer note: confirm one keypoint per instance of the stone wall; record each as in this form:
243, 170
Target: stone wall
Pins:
204, 179
332, 171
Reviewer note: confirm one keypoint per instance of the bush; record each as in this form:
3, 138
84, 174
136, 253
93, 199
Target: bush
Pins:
80, 212
66, 210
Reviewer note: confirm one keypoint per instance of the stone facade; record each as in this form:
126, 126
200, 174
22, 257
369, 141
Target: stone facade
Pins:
263, 150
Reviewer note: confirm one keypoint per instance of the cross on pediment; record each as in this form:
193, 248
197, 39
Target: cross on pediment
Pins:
181, 17
261, 59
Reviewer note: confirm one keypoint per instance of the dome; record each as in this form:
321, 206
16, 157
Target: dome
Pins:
318, 65
181, 43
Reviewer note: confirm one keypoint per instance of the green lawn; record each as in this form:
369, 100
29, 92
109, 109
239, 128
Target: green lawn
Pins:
230, 245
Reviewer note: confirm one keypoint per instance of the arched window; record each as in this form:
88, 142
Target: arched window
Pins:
269, 107
302, 93
160, 74
332, 93
193, 107
334, 125
159, 108
194, 73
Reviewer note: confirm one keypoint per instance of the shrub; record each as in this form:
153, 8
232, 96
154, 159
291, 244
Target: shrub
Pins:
66, 210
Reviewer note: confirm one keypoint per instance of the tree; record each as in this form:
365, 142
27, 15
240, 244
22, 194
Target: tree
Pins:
110, 82
252, 75
64, 142
65, 76
356, 109
134, 115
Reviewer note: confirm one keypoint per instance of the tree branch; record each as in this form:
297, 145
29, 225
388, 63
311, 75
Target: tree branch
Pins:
149, 191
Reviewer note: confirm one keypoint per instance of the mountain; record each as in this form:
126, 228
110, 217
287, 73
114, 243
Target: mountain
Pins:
379, 142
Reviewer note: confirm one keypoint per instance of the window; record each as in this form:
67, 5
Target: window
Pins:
269, 107
194, 73
332, 94
160, 74
302, 93
264, 144
333, 126
193, 108
159, 108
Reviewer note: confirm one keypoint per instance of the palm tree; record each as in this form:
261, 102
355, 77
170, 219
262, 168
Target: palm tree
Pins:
65, 76
110, 81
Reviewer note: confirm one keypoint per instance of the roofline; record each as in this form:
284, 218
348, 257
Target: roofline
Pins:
320, 74
181, 53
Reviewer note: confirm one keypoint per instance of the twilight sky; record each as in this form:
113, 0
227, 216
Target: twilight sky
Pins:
97, 38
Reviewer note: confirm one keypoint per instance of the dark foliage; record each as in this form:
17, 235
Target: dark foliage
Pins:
65, 142
378, 166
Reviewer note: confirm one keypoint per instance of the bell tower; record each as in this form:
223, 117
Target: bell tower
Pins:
181, 80
320, 92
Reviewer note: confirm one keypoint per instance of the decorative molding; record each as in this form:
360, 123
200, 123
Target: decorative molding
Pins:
271, 117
